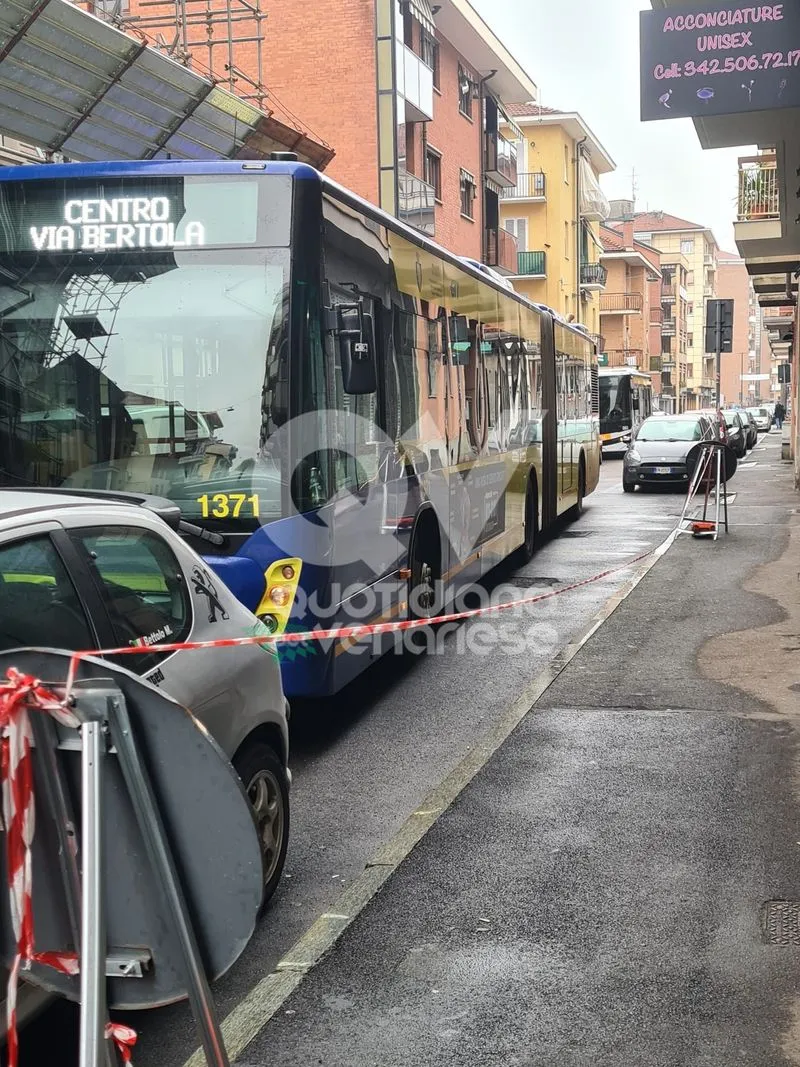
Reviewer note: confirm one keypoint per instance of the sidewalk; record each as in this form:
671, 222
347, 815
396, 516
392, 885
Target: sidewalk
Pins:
596, 895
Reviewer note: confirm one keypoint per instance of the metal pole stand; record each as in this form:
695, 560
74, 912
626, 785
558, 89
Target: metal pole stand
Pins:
147, 866
711, 471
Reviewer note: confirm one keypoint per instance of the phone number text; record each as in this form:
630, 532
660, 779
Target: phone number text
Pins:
741, 64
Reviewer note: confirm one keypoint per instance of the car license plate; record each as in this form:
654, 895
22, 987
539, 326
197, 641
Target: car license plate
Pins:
662, 470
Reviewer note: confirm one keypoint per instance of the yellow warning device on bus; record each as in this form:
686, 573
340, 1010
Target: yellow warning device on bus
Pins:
280, 589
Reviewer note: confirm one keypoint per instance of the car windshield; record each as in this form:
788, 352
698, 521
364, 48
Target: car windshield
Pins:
732, 418
670, 430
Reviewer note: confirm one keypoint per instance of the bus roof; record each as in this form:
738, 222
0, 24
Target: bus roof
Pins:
293, 168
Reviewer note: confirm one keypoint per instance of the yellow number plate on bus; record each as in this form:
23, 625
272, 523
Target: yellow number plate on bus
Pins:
228, 506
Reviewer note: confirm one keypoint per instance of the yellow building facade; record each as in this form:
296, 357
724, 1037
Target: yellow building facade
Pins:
555, 211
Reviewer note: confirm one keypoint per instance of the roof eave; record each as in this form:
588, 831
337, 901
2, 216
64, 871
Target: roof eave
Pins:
578, 130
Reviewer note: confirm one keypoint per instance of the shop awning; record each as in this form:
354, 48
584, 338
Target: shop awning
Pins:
71, 83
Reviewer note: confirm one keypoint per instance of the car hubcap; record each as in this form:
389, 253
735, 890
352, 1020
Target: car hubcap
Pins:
267, 802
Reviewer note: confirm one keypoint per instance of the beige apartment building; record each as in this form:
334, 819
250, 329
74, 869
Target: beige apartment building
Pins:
683, 242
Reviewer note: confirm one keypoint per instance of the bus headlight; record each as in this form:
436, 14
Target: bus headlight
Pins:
281, 581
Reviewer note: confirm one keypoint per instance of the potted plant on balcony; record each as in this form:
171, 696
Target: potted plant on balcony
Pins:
756, 193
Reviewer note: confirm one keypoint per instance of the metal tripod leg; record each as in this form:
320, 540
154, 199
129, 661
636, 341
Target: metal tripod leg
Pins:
94, 1050
717, 492
163, 865
694, 484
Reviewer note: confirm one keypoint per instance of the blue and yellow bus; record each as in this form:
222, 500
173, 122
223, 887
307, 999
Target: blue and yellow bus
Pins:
352, 420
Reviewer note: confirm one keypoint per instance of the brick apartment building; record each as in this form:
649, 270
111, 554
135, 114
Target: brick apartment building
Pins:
410, 96
630, 308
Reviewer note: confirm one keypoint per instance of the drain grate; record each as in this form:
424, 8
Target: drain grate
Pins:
780, 922
524, 582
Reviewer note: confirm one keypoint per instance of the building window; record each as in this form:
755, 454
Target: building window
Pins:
429, 53
464, 92
690, 309
687, 246
433, 171
519, 229
690, 340
690, 279
468, 191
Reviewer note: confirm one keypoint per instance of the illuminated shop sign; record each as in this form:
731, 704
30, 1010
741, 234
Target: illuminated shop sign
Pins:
719, 59
98, 225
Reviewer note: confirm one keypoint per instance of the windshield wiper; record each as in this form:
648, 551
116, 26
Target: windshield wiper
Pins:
190, 528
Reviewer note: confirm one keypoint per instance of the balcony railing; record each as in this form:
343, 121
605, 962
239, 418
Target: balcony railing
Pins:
669, 327
417, 202
758, 189
500, 160
622, 357
593, 275
501, 250
656, 315
530, 186
668, 290
621, 303
532, 263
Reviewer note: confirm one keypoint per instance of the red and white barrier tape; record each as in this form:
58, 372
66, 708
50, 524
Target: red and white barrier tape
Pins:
20, 694
343, 633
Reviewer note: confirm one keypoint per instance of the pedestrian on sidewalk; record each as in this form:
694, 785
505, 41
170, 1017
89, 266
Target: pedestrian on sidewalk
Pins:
780, 414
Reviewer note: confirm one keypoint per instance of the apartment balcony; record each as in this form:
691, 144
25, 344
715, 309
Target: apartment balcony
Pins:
530, 186
668, 290
621, 357
417, 203
656, 364
500, 160
708, 290
414, 82
781, 318
621, 303
656, 316
593, 276
708, 260
532, 264
501, 251
669, 328
758, 199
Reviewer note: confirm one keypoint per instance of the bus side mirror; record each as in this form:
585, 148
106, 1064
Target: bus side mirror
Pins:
356, 349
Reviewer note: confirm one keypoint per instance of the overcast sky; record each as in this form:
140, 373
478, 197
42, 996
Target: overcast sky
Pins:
584, 57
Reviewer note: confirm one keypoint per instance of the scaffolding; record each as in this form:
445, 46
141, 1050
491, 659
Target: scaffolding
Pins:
210, 35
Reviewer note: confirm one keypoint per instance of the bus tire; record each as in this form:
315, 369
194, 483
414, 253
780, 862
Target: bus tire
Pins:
576, 510
425, 556
525, 552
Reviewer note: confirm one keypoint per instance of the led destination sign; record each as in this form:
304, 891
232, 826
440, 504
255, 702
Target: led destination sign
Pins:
122, 222
719, 59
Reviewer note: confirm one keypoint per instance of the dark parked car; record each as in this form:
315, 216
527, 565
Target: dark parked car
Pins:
717, 419
658, 453
751, 428
737, 432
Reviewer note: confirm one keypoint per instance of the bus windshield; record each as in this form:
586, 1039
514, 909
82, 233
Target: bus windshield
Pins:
145, 372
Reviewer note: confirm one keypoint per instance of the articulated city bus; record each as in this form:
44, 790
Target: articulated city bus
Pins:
352, 420
626, 399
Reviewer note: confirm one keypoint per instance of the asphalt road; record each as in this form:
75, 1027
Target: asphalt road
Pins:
363, 762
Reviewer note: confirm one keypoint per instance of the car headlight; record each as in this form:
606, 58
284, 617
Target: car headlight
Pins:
632, 457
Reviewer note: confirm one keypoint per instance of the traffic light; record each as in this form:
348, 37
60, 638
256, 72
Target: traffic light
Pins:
784, 373
719, 326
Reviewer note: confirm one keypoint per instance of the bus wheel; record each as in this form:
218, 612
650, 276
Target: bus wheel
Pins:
425, 568
576, 510
528, 547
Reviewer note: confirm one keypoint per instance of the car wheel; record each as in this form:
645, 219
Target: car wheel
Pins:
627, 487
264, 779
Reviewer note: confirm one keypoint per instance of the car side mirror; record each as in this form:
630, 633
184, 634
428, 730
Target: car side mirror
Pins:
356, 338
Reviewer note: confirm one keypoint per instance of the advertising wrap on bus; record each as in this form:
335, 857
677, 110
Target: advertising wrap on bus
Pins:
335, 403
